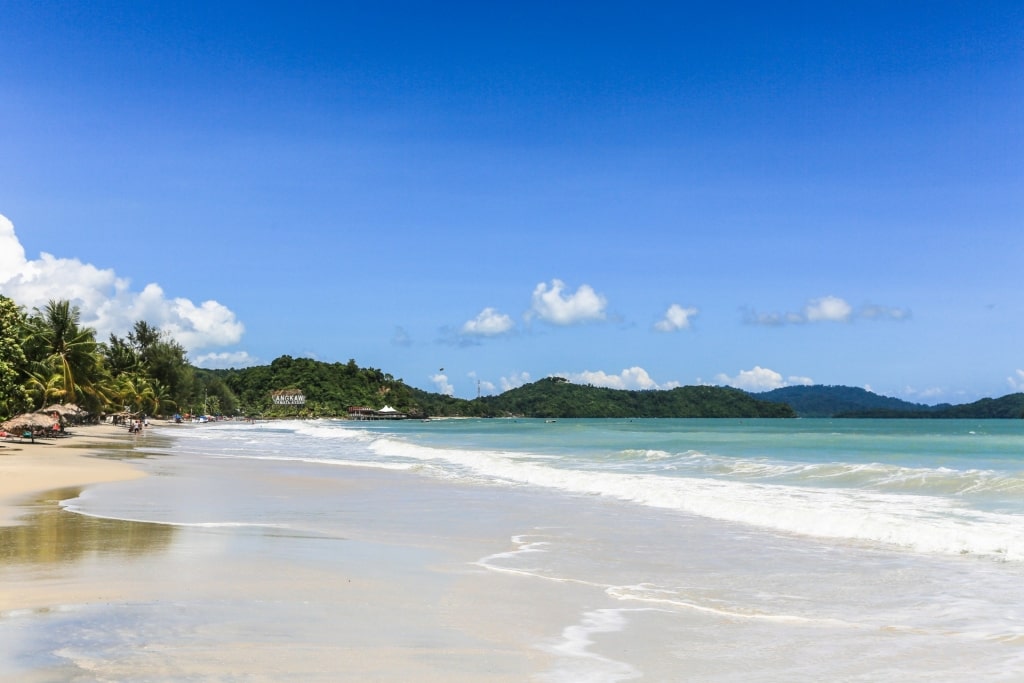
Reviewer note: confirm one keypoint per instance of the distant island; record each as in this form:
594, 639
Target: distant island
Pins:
853, 402
331, 388
48, 358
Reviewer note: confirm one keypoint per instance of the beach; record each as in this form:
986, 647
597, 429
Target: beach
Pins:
223, 600
45, 464
501, 551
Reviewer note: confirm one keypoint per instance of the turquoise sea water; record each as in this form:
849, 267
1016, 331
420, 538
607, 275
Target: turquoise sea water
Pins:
672, 550
937, 486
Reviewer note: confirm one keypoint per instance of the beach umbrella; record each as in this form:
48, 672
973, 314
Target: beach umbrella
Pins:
27, 421
62, 409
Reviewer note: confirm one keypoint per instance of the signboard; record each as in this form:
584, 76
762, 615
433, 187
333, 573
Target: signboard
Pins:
288, 397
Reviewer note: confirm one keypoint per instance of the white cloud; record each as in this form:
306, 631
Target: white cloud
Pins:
106, 301
550, 305
676, 318
226, 359
827, 309
761, 379
634, 378
1016, 380
874, 312
488, 323
440, 380
514, 381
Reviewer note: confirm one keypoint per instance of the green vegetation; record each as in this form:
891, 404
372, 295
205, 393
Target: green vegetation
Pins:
47, 356
852, 402
331, 388
832, 401
554, 397
1007, 407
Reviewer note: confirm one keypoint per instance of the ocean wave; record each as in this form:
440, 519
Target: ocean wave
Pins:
917, 522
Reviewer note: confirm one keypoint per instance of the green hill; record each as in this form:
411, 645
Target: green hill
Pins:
1010, 406
555, 397
331, 388
853, 402
831, 401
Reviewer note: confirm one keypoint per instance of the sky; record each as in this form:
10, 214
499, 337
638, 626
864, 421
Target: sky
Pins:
472, 196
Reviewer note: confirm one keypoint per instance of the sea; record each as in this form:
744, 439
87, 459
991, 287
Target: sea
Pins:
580, 549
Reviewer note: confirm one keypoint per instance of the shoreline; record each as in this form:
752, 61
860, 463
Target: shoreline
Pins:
29, 469
380, 594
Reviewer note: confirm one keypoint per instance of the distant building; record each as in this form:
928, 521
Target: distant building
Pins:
385, 413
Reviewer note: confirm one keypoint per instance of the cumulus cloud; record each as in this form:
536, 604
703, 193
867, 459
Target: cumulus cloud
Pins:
514, 381
676, 318
1016, 380
761, 379
634, 378
226, 359
827, 309
440, 380
874, 312
552, 305
488, 323
927, 394
107, 302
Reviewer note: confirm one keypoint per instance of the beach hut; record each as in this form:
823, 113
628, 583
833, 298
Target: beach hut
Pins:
69, 412
62, 409
28, 422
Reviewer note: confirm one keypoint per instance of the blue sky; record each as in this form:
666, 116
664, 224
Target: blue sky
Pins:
637, 195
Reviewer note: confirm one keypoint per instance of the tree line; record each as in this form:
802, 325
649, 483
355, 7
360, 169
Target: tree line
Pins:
331, 388
48, 356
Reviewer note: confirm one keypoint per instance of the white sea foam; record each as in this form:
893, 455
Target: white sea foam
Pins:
917, 522
577, 662
334, 462
71, 506
919, 508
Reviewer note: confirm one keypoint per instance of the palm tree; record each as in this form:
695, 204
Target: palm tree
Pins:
161, 398
56, 339
44, 386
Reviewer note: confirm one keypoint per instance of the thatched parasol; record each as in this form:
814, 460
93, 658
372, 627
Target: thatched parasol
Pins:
62, 409
27, 421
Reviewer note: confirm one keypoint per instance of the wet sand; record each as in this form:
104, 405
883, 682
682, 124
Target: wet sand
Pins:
390, 597
28, 468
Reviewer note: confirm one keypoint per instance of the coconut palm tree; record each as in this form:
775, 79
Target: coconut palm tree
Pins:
57, 339
44, 386
162, 400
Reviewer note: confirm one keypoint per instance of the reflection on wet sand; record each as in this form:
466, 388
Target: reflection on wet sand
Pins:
49, 534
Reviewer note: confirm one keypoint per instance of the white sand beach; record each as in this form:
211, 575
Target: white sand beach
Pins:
322, 552
34, 467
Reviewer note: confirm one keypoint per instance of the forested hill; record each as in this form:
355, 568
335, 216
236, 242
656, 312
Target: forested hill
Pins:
1010, 406
853, 402
830, 401
555, 397
330, 388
